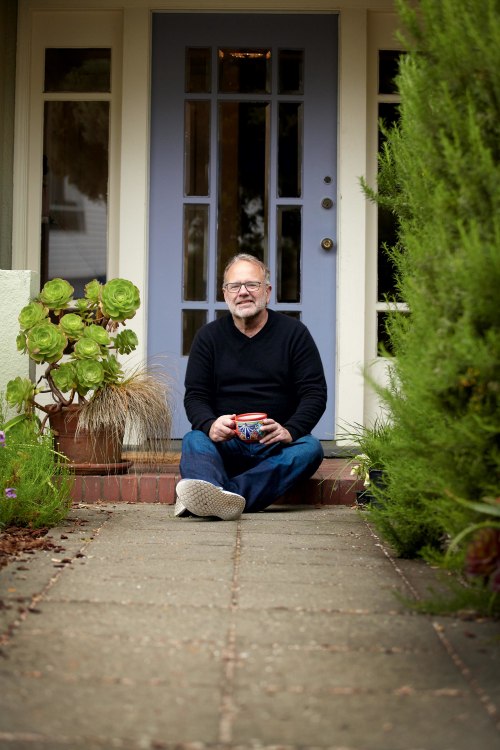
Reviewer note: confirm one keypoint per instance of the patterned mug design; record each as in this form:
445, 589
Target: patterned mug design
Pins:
249, 426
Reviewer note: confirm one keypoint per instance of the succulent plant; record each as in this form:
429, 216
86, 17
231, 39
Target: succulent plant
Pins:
77, 338
32, 314
120, 299
46, 342
56, 294
89, 375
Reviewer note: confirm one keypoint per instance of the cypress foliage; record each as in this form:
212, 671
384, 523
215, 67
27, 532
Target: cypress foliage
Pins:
440, 175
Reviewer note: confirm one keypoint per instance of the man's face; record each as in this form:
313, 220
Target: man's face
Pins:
245, 304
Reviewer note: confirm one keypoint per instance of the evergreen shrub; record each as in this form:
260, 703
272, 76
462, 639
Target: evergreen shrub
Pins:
439, 173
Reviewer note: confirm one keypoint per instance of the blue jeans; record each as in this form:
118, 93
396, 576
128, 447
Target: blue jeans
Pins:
260, 473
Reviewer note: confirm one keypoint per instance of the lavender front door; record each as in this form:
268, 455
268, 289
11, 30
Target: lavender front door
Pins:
243, 159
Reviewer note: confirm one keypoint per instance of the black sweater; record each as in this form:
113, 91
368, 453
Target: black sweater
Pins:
277, 371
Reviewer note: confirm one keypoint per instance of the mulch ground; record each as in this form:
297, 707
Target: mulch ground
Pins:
16, 541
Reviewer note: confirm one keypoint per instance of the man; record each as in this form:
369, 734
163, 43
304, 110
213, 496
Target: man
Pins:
254, 360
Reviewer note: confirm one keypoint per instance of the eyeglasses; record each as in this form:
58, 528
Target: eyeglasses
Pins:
233, 287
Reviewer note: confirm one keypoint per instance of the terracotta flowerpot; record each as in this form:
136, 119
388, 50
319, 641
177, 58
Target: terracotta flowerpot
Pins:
99, 453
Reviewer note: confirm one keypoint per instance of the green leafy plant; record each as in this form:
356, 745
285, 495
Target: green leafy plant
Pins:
81, 343
35, 482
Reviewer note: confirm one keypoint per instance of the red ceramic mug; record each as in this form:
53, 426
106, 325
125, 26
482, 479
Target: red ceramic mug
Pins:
249, 426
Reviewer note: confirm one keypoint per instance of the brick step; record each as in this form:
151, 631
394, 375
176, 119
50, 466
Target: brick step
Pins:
332, 484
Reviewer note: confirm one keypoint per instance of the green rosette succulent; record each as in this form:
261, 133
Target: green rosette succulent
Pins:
126, 342
56, 294
120, 299
98, 334
46, 342
19, 391
113, 372
21, 342
64, 377
32, 314
87, 348
89, 375
72, 325
93, 290
81, 305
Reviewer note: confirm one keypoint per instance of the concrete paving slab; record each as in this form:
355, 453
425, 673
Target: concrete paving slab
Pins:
159, 661
283, 630
137, 622
343, 630
90, 709
414, 721
147, 590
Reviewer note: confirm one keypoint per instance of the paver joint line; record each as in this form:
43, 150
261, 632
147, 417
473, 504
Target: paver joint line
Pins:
227, 708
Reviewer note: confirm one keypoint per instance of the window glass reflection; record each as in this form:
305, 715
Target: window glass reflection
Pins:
195, 251
289, 150
69, 69
198, 70
192, 321
288, 255
75, 191
243, 176
388, 68
290, 71
196, 147
244, 71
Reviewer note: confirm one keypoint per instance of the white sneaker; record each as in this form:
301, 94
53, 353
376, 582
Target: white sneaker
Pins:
204, 499
180, 509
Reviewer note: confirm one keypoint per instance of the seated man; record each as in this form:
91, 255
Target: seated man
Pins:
254, 360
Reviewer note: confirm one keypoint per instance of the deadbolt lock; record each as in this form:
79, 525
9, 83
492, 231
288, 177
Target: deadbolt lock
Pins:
326, 243
326, 203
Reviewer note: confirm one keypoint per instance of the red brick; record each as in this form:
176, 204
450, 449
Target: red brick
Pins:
148, 489
129, 484
77, 491
166, 489
111, 489
92, 491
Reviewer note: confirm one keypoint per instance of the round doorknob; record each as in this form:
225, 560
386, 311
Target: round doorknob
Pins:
326, 243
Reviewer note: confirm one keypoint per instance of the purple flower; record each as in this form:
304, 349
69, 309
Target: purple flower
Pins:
2, 438
10, 492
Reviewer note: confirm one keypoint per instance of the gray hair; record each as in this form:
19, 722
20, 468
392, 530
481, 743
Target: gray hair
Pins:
249, 259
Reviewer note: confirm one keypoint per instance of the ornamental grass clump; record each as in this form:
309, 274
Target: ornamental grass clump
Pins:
81, 341
35, 482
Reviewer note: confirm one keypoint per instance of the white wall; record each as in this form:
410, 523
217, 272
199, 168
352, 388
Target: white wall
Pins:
16, 290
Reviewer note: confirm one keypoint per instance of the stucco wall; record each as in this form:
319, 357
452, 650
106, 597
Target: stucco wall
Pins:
16, 290
8, 33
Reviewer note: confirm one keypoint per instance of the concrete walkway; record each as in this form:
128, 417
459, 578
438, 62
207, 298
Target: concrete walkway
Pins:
282, 630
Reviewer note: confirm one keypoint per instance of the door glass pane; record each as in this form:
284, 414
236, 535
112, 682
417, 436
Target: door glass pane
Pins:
289, 150
243, 179
77, 69
75, 191
192, 321
198, 70
290, 71
288, 252
196, 147
195, 252
244, 71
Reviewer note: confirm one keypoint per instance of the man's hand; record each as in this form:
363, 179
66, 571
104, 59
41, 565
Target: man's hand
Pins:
223, 428
275, 433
